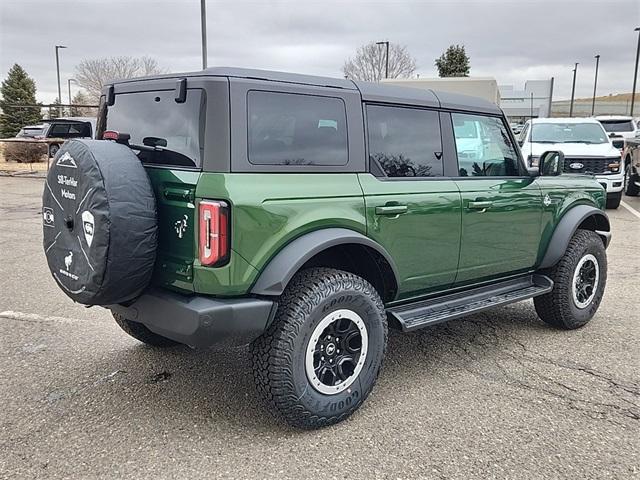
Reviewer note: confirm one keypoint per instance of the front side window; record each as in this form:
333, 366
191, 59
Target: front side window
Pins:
293, 129
484, 147
167, 132
405, 142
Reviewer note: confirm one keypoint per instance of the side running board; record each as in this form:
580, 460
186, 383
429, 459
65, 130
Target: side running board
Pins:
422, 313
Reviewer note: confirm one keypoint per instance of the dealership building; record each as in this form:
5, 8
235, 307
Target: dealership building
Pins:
533, 101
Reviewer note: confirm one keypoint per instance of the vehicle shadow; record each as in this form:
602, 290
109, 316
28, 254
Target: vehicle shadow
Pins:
216, 387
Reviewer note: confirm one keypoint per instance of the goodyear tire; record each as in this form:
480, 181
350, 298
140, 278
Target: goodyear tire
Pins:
99, 222
630, 187
613, 200
579, 280
320, 358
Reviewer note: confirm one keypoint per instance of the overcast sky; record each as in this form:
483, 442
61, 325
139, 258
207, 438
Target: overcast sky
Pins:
510, 40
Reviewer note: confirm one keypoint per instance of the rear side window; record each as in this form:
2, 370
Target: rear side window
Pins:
405, 142
484, 147
292, 129
59, 130
171, 131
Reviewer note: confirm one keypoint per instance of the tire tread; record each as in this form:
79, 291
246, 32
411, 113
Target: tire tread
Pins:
554, 307
272, 352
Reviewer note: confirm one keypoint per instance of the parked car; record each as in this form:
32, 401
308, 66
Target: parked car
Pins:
33, 131
586, 147
516, 128
619, 128
631, 156
59, 129
304, 215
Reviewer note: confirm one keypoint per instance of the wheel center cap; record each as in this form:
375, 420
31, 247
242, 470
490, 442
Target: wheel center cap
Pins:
331, 349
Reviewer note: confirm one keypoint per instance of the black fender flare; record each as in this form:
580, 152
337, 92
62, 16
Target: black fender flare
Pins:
283, 266
568, 226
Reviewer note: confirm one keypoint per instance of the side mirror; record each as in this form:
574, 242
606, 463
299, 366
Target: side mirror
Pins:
551, 163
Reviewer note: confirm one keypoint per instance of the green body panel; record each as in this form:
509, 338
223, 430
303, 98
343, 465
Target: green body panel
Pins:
424, 241
270, 210
505, 237
565, 192
437, 244
177, 248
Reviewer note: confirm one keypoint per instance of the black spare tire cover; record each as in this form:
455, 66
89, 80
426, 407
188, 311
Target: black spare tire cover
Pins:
99, 222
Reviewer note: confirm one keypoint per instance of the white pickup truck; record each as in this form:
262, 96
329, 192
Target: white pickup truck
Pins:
620, 128
631, 157
586, 146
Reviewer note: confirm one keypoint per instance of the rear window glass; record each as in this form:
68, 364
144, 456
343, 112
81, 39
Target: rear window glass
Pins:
31, 132
170, 131
292, 129
617, 125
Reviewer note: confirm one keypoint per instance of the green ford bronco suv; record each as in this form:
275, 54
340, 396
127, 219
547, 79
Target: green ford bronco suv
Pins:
306, 215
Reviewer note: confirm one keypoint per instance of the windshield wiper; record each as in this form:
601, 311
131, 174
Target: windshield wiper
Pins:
145, 148
580, 141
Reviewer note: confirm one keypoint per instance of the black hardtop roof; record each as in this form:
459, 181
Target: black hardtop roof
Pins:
373, 92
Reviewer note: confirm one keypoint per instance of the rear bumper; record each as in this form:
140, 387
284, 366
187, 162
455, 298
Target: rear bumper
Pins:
200, 321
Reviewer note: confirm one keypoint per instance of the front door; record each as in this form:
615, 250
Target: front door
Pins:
501, 204
412, 209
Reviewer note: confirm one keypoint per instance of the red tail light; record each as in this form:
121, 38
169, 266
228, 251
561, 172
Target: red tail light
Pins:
110, 135
214, 233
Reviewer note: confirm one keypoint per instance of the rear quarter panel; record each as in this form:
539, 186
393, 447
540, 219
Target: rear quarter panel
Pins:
270, 210
565, 192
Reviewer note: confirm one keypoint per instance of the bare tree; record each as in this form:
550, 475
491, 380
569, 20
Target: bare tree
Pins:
92, 74
369, 63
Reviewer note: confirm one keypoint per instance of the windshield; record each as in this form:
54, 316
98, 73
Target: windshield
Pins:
568, 133
169, 132
617, 125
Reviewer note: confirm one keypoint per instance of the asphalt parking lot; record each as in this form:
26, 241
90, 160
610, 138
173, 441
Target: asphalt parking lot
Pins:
497, 395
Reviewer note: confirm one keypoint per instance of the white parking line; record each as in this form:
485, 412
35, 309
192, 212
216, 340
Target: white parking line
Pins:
631, 209
34, 317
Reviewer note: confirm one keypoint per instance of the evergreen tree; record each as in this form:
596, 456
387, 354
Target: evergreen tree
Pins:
81, 98
454, 62
17, 88
53, 111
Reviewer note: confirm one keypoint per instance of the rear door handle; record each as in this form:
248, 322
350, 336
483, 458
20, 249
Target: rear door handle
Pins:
480, 205
391, 210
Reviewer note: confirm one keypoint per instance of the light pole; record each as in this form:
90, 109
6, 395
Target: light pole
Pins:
203, 30
69, 87
58, 73
386, 58
573, 89
635, 71
595, 83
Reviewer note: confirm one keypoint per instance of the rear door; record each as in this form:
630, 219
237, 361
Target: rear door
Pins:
413, 210
501, 203
168, 137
